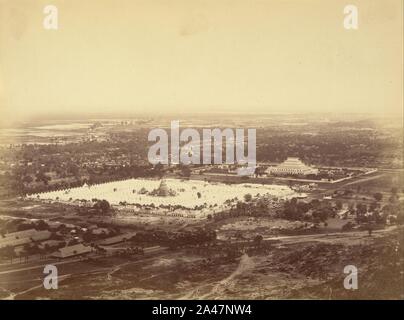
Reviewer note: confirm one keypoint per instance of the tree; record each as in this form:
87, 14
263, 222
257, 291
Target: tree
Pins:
102, 205
361, 208
257, 240
322, 214
30, 249
400, 214
88, 236
247, 197
41, 225
40, 176
338, 205
27, 179
185, 171
73, 169
238, 235
373, 206
378, 196
393, 198
9, 252
159, 170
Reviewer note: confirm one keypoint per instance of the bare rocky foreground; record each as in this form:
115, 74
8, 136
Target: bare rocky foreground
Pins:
302, 267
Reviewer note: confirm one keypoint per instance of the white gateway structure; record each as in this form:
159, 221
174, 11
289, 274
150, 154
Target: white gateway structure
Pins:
292, 166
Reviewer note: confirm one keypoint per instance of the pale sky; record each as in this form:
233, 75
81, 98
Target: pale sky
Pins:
190, 56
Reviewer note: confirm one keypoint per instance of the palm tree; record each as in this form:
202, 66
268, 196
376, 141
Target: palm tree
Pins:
257, 240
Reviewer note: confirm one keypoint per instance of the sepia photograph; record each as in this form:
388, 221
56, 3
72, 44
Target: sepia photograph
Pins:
195, 150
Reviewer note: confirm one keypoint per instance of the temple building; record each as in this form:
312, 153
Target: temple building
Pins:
163, 191
292, 166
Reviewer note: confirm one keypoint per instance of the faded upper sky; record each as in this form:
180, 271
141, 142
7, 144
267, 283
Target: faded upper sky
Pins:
200, 56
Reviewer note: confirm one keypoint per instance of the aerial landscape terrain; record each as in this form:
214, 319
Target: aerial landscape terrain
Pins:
83, 197
201, 150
